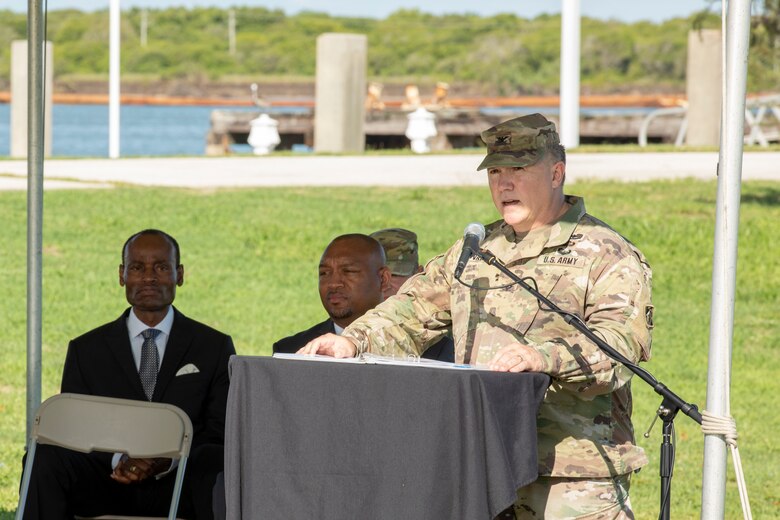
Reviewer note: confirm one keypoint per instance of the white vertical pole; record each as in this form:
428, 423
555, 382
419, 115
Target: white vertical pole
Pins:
232, 31
35, 148
724, 268
113, 80
570, 74
144, 26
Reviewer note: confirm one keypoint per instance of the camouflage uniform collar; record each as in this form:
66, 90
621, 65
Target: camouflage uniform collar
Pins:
510, 246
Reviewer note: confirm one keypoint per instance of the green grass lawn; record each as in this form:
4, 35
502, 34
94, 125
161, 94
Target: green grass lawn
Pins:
251, 256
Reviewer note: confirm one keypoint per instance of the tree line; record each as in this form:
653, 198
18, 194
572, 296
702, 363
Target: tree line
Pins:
506, 54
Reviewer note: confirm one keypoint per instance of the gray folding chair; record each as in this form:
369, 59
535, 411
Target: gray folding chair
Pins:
89, 423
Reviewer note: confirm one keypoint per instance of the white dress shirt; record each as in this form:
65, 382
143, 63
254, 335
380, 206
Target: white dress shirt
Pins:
135, 328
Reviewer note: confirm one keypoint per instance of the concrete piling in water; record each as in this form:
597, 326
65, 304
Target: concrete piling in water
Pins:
340, 93
704, 86
19, 99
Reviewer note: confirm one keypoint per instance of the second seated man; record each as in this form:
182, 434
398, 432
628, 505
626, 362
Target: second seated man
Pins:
353, 278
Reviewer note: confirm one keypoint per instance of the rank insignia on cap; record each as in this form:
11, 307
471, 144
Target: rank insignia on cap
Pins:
519, 142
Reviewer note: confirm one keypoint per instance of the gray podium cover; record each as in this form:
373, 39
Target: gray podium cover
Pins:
330, 440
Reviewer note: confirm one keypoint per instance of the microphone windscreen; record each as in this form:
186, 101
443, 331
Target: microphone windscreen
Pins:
476, 229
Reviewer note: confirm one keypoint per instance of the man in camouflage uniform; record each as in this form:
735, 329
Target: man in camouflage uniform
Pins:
585, 437
400, 247
401, 252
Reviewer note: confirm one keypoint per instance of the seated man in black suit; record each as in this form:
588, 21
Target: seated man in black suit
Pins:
152, 352
400, 247
353, 277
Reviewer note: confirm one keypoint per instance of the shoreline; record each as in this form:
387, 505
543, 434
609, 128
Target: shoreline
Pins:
604, 100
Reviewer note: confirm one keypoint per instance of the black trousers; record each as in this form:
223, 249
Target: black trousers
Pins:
64, 483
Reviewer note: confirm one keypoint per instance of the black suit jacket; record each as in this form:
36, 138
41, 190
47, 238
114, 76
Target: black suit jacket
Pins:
100, 362
442, 350
291, 344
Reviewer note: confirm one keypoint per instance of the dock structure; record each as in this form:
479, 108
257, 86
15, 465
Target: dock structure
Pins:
458, 127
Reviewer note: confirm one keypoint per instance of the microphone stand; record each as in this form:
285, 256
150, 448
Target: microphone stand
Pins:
670, 405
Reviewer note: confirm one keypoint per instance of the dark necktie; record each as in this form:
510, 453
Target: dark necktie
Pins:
150, 362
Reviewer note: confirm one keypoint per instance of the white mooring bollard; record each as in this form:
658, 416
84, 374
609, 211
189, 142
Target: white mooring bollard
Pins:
421, 128
263, 134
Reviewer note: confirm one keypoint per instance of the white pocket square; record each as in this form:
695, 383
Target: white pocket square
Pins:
189, 368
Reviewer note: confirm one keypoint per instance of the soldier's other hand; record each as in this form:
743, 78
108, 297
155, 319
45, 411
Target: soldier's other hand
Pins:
517, 357
330, 345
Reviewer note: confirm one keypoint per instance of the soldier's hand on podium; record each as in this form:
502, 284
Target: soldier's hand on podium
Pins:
330, 345
517, 357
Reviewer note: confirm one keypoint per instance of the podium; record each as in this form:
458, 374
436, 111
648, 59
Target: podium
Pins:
338, 440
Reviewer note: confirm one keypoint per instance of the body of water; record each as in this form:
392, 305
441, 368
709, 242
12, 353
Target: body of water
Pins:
82, 130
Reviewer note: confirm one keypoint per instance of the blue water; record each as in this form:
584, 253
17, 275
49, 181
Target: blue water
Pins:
82, 130
5, 124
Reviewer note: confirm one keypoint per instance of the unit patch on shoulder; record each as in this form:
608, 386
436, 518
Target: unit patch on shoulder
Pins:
649, 316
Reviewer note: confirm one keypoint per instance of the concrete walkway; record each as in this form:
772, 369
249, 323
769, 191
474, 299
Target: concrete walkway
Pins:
372, 170
19, 183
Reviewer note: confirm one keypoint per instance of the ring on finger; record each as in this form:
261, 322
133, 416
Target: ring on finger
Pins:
132, 469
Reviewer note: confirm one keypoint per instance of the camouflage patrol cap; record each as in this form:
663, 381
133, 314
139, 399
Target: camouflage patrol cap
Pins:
400, 247
518, 142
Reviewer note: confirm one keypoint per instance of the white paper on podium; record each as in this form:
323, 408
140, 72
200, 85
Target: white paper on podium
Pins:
368, 358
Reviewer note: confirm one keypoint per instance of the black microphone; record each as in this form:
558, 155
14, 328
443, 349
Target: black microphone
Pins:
472, 236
